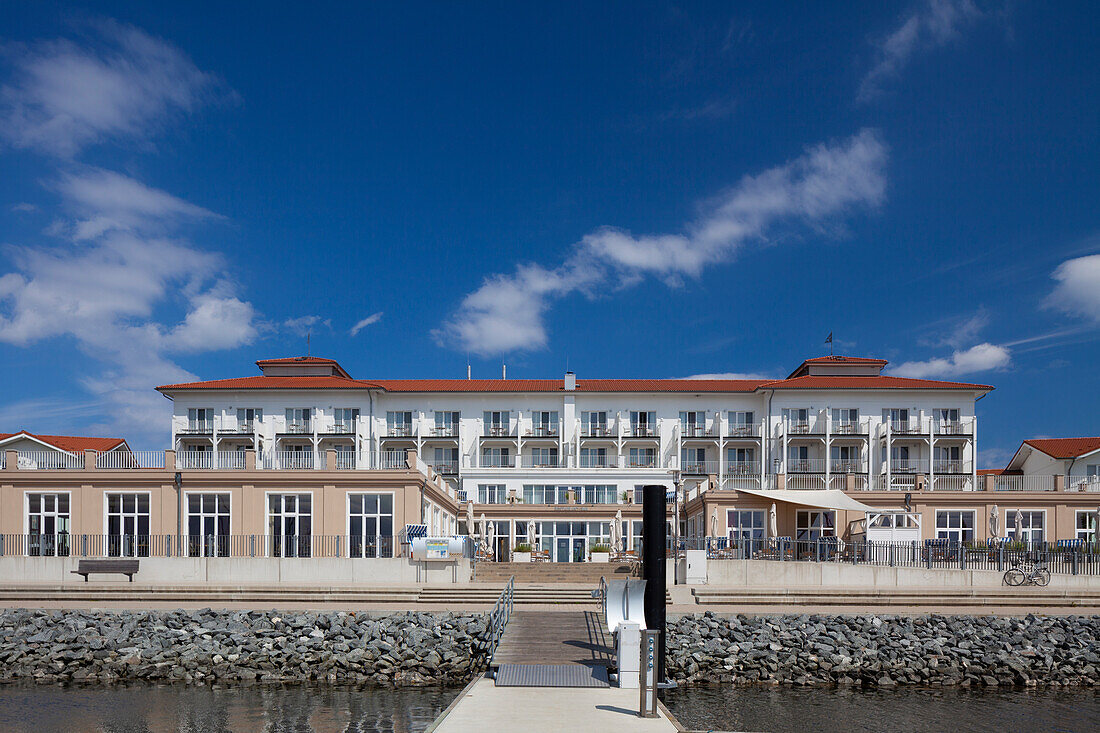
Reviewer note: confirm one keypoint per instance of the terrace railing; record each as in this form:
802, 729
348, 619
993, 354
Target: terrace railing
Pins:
213, 546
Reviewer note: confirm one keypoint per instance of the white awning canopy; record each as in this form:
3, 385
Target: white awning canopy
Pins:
821, 499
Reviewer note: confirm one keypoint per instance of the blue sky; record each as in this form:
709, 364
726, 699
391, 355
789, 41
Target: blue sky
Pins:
625, 189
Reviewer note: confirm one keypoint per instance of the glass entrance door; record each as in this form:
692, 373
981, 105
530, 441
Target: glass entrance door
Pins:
579, 553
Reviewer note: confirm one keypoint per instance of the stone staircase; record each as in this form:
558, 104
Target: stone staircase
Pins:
549, 573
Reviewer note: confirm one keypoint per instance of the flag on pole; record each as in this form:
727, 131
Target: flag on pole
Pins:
829, 341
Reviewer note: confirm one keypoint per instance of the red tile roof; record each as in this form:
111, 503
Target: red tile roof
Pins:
1065, 447
877, 382
872, 382
70, 443
855, 360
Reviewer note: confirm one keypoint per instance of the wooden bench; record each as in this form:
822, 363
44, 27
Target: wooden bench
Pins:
121, 566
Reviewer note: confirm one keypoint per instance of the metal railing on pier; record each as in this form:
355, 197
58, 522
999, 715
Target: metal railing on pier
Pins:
501, 613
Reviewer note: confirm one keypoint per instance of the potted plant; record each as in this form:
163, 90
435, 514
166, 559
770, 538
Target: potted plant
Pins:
521, 552
600, 553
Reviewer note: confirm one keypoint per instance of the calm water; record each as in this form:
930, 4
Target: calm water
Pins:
132, 708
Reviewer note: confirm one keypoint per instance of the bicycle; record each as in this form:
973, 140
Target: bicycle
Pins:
1027, 574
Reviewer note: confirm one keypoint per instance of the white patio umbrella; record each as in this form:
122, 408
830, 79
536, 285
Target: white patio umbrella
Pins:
531, 533
994, 523
617, 532
470, 529
1019, 522
714, 522
772, 523
489, 542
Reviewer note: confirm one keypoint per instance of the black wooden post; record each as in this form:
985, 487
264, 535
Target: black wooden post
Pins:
654, 542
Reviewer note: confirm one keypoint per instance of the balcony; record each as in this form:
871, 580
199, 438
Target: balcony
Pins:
197, 428
244, 427
498, 461
640, 462
743, 430
848, 427
497, 431
906, 466
543, 431
445, 468
597, 431
346, 460
806, 465
341, 428
847, 466
742, 468
298, 428
699, 468
905, 427
542, 462
445, 431
693, 430
399, 431
642, 431
954, 427
598, 461
949, 467
812, 426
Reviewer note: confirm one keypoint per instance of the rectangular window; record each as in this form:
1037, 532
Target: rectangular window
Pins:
948, 459
845, 420
544, 457
200, 420
446, 423
497, 422
693, 423
492, 494
643, 458
345, 419
599, 494
446, 461
594, 424
544, 423
741, 422
1032, 525
128, 524
496, 458
1085, 526
947, 420
845, 459
399, 423
1092, 470
594, 458
956, 526
798, 419
741, 460
899, 420
693, 460
813, 524
370, 525
208, 525
249, 419
798, 459
643, 423
747, 524
299, 420
48, 524
899, 459
289, 524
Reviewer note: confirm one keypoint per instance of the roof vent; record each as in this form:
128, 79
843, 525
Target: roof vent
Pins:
570, 381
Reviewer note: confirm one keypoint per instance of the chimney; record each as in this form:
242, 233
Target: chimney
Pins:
503, 371
570, 381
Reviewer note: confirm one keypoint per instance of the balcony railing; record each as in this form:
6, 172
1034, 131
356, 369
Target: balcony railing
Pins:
847, 466
952, 483
805, 481
445, 468
346, 460
806, 465
941, 466
399, 431
742, 468
197, 428
294, 459
298, 428
597, 431
743, 430
1083, 483
498, 461
543, 431
699, 468
640, 462
30, 460
693, 430
445, 431
597, 461
906, 466
541, 462
342, 428
905, 427
244, 426
497, 431
847, 427
195, 459
1023, 483
954, 427
642, 431
130, 459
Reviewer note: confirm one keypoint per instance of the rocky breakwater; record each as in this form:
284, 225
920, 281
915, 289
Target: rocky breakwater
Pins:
885, 651
206, 646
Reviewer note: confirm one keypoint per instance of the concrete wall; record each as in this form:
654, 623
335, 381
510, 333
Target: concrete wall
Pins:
244, 571
779, 575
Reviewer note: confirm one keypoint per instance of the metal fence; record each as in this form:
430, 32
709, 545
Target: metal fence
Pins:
1072, 557
229, 546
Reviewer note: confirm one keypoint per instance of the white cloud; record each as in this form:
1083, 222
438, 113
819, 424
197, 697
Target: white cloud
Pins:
507, 312
933, 24
107, 291
120, 83
732, 375
981, 358
24, 208
304, 325
369, 320
1078, 288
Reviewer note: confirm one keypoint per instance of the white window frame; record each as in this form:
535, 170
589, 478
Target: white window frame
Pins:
57, 547
134, 547
809, 527
735, 528
277, 549
1086, 533
1027, 530
497, 491
960, 530
187, 524
378, 514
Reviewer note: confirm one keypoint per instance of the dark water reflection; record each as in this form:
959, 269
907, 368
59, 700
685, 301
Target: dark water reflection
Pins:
135, 708
197, 709
780, 709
